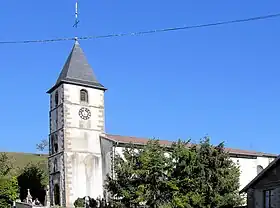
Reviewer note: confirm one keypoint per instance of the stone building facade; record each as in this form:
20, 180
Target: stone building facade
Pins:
80, 152
264, 190
76, 123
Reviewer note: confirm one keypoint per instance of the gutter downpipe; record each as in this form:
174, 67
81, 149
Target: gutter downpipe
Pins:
113, 159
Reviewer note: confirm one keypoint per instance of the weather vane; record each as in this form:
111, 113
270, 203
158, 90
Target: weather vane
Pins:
76, 15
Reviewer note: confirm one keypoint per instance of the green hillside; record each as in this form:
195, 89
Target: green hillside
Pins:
20, 160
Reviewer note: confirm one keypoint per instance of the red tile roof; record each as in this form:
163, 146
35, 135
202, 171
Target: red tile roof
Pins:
142, 141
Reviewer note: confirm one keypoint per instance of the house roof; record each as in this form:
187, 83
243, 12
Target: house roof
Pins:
77, 70
261, 174
142, 141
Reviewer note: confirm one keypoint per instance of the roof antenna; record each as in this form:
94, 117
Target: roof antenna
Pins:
76, 18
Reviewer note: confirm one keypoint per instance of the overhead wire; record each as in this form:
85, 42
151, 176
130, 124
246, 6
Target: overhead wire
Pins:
146, 32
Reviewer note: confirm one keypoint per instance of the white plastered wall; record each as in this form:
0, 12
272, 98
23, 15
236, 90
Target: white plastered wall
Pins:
248, 167
82, 143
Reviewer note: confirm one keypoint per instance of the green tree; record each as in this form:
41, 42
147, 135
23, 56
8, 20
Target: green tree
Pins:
8, 191
5, 164
140, 176
201, 176
33, 177
8, 185
183, 173
124, 188
153, 171
219, 176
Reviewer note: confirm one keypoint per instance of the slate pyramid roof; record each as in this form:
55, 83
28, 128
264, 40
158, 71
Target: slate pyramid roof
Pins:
77, 71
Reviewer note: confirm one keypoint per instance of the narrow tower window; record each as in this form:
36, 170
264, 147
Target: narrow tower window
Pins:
56, 195
84, 96
55, 147
54, 144
56, 98
55, 165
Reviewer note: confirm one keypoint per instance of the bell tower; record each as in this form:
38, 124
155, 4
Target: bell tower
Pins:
76, 123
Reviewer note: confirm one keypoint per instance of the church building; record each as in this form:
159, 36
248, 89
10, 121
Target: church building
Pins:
80, 151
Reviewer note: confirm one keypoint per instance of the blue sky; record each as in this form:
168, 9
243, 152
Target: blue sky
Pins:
222, 81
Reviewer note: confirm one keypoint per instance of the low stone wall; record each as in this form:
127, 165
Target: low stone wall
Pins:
25, 205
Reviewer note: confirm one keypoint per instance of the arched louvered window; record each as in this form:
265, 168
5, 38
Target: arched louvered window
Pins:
84, 96
259, 169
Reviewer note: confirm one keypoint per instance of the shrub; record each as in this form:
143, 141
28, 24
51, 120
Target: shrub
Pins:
80, 202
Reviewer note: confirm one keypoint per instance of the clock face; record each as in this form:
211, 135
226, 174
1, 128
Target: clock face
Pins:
84, 113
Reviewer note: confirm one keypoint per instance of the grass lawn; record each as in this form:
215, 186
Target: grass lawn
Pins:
20, 160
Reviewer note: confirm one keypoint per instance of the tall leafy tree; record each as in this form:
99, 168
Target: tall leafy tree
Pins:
203, 176
219, 175
8, 191
153, 172
5, 164
33, 177
139, 176
8, 185
182, 176
124, 185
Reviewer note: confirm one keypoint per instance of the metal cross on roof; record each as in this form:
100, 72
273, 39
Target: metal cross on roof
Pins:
76, 15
